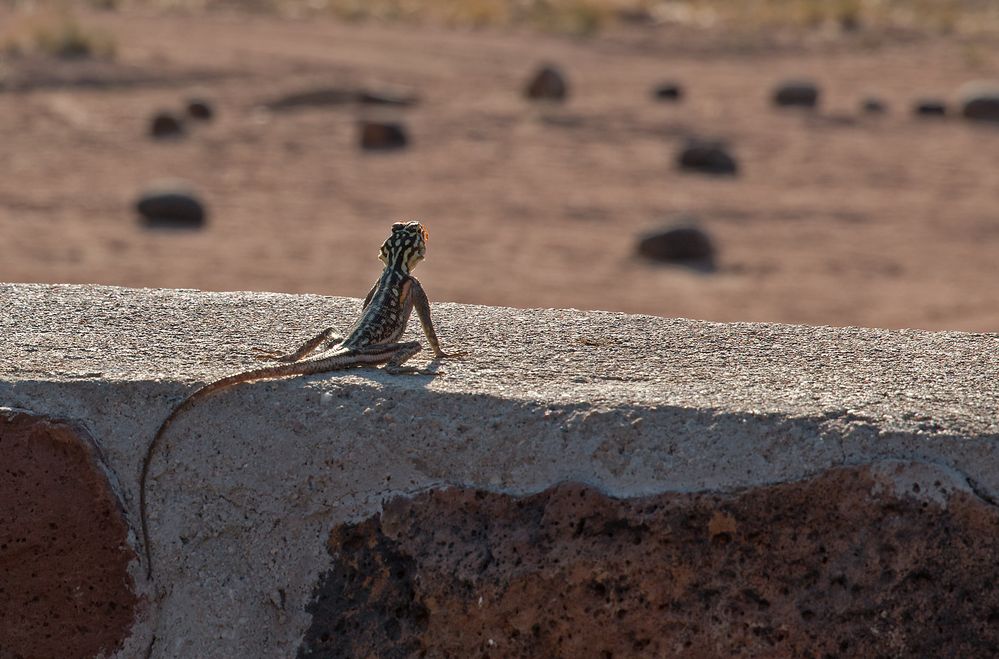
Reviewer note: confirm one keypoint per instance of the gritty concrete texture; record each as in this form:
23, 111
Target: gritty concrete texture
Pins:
250, 483
65, 587
892, 560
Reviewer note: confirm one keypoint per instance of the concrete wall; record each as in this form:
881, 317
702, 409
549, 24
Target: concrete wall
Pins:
265, 500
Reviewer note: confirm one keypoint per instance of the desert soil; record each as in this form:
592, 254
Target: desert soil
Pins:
835, 218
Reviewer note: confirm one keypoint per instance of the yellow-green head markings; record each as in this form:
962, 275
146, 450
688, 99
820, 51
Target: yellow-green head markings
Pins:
406, 246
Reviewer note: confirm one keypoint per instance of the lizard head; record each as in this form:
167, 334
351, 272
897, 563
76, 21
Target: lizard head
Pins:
406, 246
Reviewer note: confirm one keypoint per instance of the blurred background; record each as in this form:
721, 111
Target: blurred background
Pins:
804, 161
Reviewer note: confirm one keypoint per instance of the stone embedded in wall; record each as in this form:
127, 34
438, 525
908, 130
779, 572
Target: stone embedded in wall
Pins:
65, 590
894, 559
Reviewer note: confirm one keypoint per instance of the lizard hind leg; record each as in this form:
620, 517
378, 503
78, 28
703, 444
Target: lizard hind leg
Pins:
326, 339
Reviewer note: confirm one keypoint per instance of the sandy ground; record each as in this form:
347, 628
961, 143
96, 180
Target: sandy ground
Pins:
836, 218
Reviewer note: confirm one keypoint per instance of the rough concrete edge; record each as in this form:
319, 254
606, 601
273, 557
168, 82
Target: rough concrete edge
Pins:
858, 440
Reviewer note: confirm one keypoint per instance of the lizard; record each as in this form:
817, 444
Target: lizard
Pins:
373, 340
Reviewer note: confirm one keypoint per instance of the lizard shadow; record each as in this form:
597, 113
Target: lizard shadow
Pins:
378, 374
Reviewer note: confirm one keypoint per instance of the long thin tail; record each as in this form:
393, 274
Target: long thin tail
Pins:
307, 367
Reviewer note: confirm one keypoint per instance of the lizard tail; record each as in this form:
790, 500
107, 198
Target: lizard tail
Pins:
305, 367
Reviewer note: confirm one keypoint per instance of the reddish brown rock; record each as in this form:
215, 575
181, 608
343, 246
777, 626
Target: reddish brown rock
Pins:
166, 125
842, 565
382, 135
707, 157
797, 93
681, 243
547, 84
64, 586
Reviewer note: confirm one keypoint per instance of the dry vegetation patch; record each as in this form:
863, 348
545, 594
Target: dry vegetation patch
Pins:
590, 16
53, 31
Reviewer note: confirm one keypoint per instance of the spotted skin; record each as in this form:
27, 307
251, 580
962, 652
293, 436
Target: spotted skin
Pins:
373, 340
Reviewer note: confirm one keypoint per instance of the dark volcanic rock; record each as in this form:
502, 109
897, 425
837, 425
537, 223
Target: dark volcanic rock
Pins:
797, 93
980, 101
65, 590
166, 125
678, 244
382, 135
929, 107
668, 91
873, 105
171, 204
200, 109
894, 559
707, 157
548, 84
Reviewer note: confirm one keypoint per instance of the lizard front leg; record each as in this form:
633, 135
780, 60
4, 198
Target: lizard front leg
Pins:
422, 305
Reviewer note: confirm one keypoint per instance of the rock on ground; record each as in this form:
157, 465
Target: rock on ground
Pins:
165, 125
929, 107
678, 244
980, 101
707, 157
171, 204
200, 109
873, 105
547, 84
382, 135
668, 91
796, 93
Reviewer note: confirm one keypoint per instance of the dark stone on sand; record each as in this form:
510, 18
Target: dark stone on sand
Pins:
929, 107
796, 93
548, 84
707, 157
382, 135
171, 205
668, 91
166, 125
980, 101
873, 105
681, 243
200, 109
